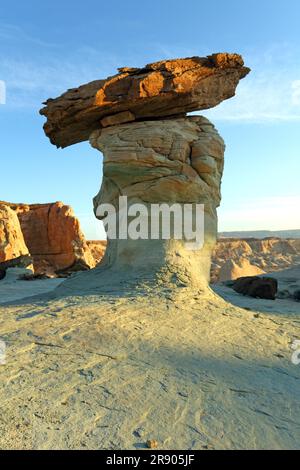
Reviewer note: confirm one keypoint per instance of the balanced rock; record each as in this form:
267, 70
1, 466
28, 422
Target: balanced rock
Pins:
154, 155
162, 89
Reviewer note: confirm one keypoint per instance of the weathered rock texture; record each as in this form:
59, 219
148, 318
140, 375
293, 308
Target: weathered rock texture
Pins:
161, 89
51, 234
12, 243
153, 154
169, 161
97, 249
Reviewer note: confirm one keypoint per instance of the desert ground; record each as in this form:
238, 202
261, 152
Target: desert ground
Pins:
192, 370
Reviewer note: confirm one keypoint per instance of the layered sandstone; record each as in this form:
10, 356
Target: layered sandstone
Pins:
162, 89
153, 154
153, 162
97, 249
51, 234
233, 257
12, 243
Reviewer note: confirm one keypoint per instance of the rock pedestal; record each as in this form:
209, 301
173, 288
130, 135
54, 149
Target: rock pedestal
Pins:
153, 154
174, 162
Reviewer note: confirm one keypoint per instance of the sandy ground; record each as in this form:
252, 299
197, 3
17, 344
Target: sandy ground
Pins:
11, 288
187, 369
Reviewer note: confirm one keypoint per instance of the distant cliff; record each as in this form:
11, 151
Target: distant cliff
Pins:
261, 234
234, 257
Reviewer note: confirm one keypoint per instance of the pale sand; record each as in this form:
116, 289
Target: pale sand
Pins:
110, 372
11, 288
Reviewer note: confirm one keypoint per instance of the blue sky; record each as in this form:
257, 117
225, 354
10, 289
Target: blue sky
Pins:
47, 47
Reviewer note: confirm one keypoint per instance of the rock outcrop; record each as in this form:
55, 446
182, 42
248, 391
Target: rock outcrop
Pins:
162, 89
240, 268
51, 234
97, 249
12, 243
153, 155
233, 257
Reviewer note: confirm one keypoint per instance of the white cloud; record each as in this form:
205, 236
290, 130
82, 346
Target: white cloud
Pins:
271, 91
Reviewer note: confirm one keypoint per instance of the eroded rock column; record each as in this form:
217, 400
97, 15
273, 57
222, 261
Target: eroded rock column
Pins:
173, 161
153, 154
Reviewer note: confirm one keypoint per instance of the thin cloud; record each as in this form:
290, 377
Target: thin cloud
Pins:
16, 34
271, 92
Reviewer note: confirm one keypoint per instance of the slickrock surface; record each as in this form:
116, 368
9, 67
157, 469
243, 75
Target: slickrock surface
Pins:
162, 89
12, 243
51, 234
111, 372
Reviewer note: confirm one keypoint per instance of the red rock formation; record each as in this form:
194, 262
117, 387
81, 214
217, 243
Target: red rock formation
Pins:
53, 237
152, 153
162, 89
12, 244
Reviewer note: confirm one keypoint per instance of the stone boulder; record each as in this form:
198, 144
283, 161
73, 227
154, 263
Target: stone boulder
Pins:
53, 237
168, 88
12, 243
253, 286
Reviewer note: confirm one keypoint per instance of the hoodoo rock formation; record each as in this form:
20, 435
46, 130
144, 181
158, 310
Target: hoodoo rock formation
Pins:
153, 154
153, 162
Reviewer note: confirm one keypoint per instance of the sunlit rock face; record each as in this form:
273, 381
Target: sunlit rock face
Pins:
172, 161
49, 232
12, 243
164, 88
